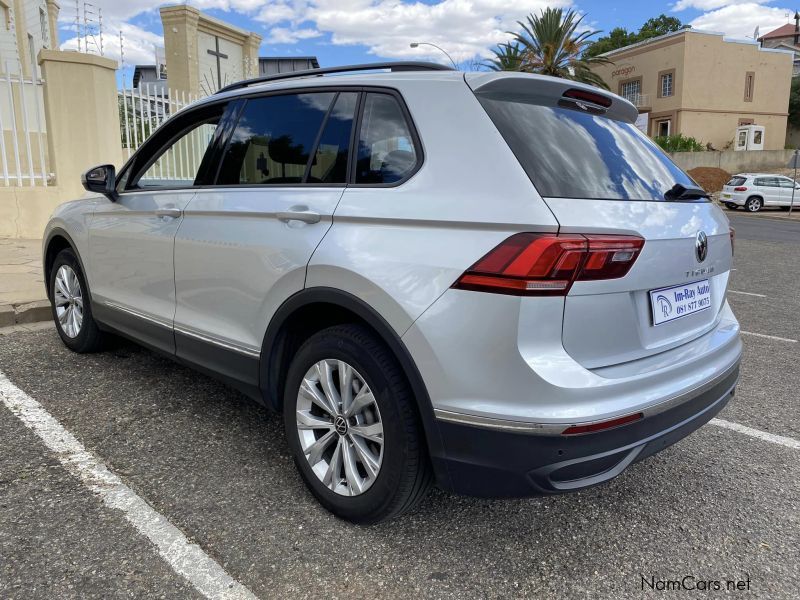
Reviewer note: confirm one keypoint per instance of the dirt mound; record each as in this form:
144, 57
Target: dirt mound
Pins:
711, 179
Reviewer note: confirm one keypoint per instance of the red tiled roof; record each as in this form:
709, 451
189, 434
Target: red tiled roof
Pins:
782, 31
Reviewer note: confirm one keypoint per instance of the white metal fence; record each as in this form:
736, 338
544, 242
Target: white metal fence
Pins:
23, 134
142, 110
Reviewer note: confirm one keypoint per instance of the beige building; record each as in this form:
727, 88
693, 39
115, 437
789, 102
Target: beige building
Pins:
703, 85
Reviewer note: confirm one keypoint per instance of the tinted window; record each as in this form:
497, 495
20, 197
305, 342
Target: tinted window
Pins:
177, 165
273, 139
736, 181
766, 182
573, 154
785, 183
330, 160
386, 151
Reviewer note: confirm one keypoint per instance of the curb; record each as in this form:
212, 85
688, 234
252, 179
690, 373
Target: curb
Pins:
24, 312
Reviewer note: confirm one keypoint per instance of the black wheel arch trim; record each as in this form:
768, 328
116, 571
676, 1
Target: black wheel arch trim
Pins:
59, 232
269, 376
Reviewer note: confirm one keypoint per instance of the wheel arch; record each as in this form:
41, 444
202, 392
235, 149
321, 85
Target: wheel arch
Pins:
313, 309
57, 240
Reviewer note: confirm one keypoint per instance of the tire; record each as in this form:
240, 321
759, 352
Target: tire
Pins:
753, 204
404, 474
86, 337
731, 206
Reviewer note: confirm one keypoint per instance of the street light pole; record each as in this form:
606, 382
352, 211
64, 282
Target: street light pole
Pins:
439, 48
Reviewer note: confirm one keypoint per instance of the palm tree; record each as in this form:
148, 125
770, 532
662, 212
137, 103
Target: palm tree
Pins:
507, 57
550, 45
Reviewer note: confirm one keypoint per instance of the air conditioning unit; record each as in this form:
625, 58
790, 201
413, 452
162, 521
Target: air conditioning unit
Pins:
749, 137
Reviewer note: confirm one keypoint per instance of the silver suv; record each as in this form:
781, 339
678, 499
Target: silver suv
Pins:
490, 281
754, 191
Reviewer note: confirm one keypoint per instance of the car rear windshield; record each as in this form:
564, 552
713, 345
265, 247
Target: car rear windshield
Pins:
736, 181
569, 153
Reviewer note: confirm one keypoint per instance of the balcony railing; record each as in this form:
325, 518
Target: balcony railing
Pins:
638, 100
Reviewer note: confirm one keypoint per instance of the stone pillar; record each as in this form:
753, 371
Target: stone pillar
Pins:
52, 17
82, 112
180, 47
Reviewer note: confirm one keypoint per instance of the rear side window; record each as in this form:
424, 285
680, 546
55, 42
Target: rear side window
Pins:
273, 139
736, 181
766, 182
386, 152
569, 153
330, 160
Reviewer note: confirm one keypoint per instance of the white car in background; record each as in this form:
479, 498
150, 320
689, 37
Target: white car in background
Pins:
754, 191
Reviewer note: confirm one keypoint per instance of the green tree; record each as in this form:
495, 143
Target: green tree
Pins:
507, 57
620, 37
794, 103
551, 45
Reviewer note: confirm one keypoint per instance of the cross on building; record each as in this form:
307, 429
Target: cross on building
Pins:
219, 55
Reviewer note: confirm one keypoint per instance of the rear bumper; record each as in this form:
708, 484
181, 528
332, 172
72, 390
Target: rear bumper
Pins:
493, 462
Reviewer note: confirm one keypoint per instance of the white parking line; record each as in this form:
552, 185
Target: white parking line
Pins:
184, 557
757, 433
769, 337
746, 293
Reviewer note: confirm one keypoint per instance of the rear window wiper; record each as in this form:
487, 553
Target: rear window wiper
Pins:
680, 192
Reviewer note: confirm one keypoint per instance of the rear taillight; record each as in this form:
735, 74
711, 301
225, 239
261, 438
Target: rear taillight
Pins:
740, 188
545, 264
733, 239
578, 94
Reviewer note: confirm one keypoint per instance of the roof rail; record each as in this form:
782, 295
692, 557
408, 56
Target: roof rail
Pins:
392, 66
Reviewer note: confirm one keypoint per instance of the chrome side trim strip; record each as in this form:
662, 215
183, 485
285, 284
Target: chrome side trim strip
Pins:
251, 352
137, 314
556, 428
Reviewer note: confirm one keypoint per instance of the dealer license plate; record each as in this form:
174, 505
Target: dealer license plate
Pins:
679, 301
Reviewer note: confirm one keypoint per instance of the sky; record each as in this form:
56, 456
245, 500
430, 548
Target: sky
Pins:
354, 31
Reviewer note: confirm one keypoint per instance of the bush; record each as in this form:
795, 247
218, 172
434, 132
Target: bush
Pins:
678, 143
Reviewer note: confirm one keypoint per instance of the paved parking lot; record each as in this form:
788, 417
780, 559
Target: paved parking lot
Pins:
721, 505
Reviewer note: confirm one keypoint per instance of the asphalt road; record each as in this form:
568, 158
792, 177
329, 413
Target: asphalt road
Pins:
718, 505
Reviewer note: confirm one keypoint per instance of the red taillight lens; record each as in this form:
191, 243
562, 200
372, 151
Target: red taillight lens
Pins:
740, 188
588, 96
545, 264
733, 239
602, 425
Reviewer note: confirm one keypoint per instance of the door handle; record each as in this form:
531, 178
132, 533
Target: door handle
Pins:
172, 213
306, 216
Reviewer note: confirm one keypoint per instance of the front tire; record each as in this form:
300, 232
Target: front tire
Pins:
70, 305
754, 204
352, 426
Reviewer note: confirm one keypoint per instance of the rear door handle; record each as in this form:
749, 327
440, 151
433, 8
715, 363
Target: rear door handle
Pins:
306, 216
172, 213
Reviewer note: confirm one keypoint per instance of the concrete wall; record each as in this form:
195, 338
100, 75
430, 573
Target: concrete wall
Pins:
24, 210
732, 161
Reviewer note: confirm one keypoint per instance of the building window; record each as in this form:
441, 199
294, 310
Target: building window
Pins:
32, 49
663, 127
43, 26
666, 85
749, 84
631, 90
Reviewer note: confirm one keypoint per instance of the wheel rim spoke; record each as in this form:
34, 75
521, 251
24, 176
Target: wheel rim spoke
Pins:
68, 301
339, 427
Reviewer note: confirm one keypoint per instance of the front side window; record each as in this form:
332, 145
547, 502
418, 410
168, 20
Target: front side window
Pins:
274, 138
179, 163
569, 153
785, 183
386, 152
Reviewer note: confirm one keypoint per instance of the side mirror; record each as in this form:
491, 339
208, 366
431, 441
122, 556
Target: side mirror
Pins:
101, 180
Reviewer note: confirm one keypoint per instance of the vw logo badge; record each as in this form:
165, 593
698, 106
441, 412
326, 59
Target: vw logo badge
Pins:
340, 425
701, 246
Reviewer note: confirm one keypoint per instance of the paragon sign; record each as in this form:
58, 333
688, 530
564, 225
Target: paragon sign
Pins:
623, 71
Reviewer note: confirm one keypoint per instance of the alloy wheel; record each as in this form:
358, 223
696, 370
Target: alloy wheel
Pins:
340, 428
68, 299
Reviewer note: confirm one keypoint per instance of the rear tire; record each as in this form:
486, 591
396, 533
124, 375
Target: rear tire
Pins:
71, 306
753, 204
354, 477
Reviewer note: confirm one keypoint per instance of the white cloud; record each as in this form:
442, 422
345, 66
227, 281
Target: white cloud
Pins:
707, 5
138, 44
740, 20
283, 35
